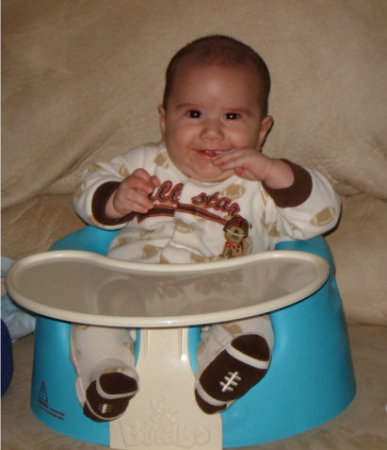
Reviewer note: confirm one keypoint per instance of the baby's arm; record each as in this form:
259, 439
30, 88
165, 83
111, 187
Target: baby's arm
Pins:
288, 184
304, 203
108, 192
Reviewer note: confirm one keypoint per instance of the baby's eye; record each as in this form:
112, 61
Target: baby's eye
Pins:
194, 114
232, 116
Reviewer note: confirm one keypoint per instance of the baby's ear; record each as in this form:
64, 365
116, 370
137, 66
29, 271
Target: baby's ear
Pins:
266, 126
161, 111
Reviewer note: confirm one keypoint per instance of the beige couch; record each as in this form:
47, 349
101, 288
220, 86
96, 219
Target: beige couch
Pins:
82, 81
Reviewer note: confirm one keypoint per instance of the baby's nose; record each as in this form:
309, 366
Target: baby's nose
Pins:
212, 129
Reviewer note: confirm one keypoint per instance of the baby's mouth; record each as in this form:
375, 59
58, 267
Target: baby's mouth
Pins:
211, 153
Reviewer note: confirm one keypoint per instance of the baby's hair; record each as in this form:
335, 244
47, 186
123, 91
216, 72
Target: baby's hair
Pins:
219, 49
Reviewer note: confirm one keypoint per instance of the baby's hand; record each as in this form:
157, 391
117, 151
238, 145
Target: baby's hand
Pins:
251, 164
132, 195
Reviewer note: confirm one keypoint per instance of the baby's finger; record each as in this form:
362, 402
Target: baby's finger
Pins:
155, 181
132, 200
143, 174
141, 204
139, 183
224, 157
229, 162
149, 180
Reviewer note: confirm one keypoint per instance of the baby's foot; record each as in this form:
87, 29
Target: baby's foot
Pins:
232, 373
108, 396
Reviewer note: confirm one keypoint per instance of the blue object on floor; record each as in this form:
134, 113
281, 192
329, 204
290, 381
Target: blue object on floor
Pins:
6, 358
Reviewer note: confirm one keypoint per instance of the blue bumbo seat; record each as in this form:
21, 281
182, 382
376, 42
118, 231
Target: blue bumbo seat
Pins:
310, 380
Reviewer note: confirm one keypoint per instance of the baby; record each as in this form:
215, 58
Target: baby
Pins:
205, 192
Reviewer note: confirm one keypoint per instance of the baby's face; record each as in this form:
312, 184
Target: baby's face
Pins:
211, 109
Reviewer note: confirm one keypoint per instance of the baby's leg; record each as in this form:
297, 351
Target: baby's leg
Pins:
104, 361
232, 358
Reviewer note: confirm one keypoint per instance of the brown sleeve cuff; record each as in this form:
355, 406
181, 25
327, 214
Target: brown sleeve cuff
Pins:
98, 206
297, 193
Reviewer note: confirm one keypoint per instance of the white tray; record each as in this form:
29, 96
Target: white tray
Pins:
84, 287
